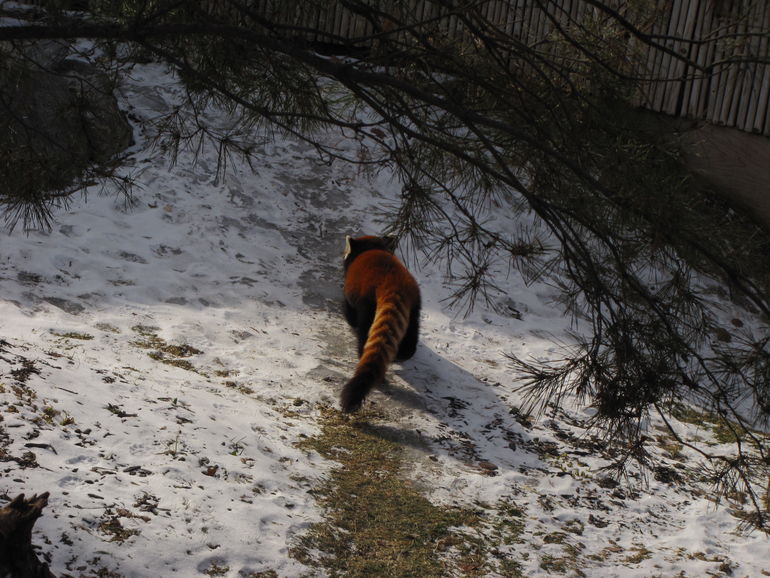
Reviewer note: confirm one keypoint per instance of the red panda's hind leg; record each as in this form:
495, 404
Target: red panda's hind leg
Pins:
350, 314
408, 344
360, 318
365, 319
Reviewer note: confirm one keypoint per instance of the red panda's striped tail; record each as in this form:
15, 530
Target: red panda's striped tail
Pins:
359, 386
388, 328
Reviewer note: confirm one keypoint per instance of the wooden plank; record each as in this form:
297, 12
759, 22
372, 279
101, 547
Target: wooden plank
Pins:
536, 23
675, 65
743, 73
758, 47
685, 31
730, 86
656, 62
763, 111
576, 10
453, 27
509, 16
666, 72
695, 25
671, 72
343, 20
766, 130
664, 60
357, 28
487, 10
506, 27
532, 27
498, 15
518, 21
749, 70
430, 12
647, 68
763, 100
650, 69
524, 13
543, 27
494, 16
719, 78
325, 21
331, 23
696, 84
397, 35
707, 93
642, 66
689, 50
735, 72
560, 12
557, 11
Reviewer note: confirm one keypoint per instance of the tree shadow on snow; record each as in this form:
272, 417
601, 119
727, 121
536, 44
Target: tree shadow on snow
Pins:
472, 421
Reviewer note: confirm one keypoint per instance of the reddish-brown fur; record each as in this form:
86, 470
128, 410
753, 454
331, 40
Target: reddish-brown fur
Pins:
382, 304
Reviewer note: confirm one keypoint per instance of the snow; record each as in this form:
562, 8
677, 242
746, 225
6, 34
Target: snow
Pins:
200, 464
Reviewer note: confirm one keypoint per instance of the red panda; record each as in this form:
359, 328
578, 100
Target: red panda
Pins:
382, 305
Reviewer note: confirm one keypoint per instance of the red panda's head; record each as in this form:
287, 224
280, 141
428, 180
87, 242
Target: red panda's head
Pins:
356, 246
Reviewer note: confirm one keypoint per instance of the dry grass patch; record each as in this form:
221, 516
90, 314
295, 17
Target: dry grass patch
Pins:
377, 522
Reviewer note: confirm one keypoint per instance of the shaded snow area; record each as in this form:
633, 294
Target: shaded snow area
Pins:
160, 362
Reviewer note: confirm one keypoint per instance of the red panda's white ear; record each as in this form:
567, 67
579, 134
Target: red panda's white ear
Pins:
348, 248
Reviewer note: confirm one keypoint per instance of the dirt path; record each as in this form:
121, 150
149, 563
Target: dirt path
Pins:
737, 162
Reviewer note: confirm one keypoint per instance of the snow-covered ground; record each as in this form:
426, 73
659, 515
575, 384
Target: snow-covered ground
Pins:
160, 362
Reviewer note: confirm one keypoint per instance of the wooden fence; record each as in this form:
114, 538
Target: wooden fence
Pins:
727, 40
